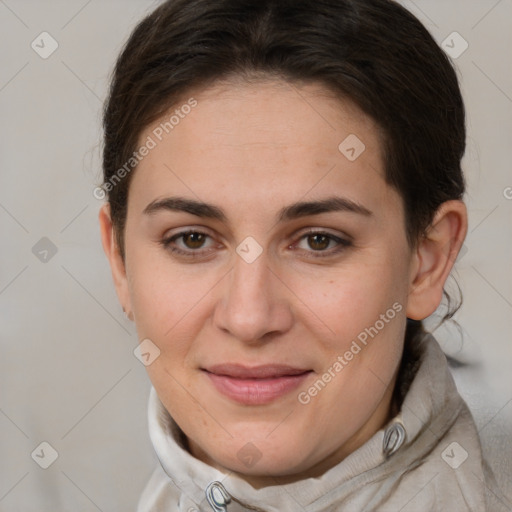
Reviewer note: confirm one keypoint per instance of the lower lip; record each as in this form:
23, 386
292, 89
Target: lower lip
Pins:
256, 391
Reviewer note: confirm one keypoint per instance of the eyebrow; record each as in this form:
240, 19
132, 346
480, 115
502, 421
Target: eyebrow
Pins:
290, 212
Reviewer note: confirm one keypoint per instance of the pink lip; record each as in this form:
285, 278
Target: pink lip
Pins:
257, 385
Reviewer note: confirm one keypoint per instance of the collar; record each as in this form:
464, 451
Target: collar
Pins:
429, 409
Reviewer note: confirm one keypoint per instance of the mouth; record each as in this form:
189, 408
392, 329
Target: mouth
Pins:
255, 385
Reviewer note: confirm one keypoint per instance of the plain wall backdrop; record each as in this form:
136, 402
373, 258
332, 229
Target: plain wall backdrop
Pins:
68, 375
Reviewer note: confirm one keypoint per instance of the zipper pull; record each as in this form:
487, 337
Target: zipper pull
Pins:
217, 497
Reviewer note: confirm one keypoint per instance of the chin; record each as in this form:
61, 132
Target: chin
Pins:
261, 457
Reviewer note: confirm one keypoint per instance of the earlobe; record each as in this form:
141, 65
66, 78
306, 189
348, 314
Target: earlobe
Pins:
434, 258
117, 265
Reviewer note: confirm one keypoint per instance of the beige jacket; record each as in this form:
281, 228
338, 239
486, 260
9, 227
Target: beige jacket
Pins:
428, 458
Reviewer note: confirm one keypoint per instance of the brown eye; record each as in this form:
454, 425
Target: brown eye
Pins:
194, 240
318, 242
188, 243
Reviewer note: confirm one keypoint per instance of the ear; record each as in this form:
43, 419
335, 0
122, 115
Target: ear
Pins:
117, 265
434, 257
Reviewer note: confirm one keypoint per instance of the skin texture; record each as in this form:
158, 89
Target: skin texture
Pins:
252, 149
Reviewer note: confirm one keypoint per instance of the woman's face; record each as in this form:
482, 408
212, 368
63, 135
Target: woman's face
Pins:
279, 302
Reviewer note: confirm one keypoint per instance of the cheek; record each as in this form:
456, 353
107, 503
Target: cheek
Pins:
364, 309
163, 292
169, 303
348, 300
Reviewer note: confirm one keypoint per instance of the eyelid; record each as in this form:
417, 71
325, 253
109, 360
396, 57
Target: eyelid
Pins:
323, 231
181, 231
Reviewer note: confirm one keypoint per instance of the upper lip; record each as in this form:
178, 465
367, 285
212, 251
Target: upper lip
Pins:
267, 371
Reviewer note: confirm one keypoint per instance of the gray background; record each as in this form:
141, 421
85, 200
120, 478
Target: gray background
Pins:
68, 375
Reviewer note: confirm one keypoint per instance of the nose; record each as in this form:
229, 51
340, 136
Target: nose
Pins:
253, 306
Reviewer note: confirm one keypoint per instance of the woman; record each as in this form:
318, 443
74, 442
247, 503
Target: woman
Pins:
284, 208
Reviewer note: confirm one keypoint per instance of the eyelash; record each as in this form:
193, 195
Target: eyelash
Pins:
342, 244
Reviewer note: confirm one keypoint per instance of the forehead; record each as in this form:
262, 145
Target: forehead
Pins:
265, 142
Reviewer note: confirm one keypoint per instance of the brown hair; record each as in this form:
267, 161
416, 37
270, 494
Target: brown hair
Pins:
373, 52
